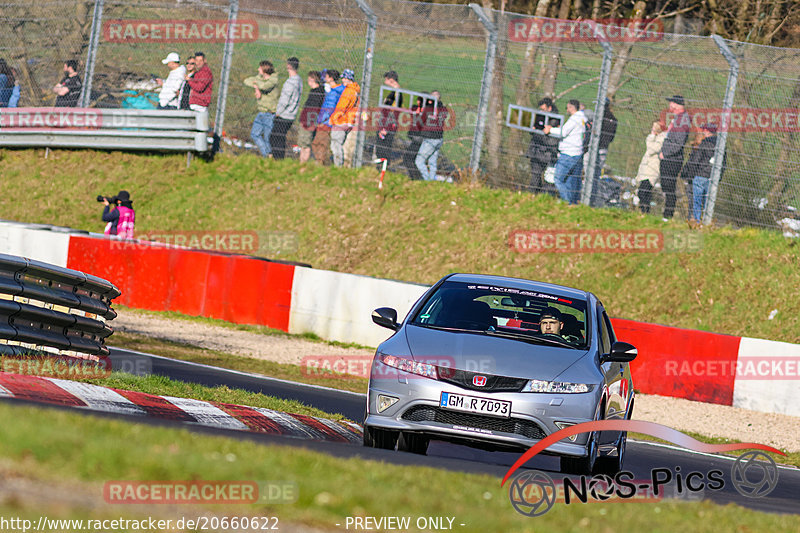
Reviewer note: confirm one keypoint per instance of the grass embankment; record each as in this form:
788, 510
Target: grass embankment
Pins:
56, 445
421, 231
184, 352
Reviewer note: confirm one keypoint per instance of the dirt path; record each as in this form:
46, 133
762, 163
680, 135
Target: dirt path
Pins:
781, 431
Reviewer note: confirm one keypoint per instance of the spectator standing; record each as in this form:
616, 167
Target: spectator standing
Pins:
434, 116
699, 168
671, 155
264, 85
13, 101
570, 153
309, 114
344, 116
120, 216
68, 91
608, 130
169, 97
415, 140
322, 140
543, 149
186, 90
286, 112
7, 83
649, 170
201, 83
388, 125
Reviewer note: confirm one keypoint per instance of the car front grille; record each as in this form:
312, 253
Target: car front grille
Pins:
518, 426
463, 379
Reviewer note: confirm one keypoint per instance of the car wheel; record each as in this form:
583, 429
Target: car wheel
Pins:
610, 465
413, 443
384, 439
582, 465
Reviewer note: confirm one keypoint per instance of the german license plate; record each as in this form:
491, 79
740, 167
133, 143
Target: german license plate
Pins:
475, 404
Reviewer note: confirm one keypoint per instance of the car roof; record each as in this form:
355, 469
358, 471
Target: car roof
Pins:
524, 284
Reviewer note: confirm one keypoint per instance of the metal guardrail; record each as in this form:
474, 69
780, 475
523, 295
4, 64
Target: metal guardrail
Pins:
111, 129
47, 308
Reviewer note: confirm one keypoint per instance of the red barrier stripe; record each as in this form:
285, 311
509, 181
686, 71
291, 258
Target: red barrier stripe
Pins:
239, 289
253, 419
157, 406
683, 363
38, 389
326, 432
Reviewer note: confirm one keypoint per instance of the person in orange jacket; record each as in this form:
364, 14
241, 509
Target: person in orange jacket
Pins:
344, 117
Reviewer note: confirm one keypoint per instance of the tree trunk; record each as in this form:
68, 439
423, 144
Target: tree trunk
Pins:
494, 115
523, 93
621, 57
553, 56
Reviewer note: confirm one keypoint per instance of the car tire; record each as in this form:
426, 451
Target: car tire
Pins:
413, 443
582, 465
384, 439
610, 465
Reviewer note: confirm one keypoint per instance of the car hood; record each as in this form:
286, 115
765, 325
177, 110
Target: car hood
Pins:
485, 354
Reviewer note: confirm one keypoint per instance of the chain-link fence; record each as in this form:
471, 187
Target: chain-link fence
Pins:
492, 68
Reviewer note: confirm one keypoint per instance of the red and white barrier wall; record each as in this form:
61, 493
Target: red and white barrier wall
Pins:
683, 363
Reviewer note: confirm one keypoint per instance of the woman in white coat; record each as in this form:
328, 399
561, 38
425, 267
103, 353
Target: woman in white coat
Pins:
649, 173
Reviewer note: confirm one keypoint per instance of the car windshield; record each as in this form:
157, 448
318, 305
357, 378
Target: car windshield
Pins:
506, 312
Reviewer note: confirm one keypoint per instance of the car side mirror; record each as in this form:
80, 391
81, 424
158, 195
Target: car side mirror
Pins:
386, 317
621, 352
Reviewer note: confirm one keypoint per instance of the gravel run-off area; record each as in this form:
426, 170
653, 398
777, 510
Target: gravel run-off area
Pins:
781, 431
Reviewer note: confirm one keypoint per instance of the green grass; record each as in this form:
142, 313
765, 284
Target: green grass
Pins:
62, 445
790, 458
133, 341
418, 231
164, 386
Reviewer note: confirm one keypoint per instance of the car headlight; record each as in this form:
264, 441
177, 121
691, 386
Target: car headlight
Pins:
559, 387
407, 365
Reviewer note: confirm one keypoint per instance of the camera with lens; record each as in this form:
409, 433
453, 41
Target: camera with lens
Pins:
110, 199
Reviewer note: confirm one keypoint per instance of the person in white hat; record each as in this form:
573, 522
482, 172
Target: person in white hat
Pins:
168, 98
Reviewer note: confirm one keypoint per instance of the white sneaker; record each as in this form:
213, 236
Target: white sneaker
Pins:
664, 220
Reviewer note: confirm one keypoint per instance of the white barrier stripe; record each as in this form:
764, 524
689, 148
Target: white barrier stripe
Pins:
340, 430
767, 393
205, 413
295, 426
5, 392
99, 398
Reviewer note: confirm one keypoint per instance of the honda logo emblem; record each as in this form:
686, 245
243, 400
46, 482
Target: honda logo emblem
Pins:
479, 381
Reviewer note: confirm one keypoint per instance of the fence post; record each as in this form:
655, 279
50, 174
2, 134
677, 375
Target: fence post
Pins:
486, 84
225, 70
722, 133
366, 80
597, 121
91, 54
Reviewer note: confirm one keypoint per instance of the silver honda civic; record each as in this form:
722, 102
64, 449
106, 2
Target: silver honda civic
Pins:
500, 363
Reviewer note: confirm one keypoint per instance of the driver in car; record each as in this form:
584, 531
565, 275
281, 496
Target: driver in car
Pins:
550, 322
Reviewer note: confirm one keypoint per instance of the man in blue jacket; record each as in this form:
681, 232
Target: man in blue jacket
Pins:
322, 141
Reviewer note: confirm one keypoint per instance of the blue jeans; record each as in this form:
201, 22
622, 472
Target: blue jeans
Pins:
262, 127
568, 177
427, 158
700, 191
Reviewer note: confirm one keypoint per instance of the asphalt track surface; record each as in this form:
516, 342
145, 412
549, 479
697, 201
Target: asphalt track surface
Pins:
641, 457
